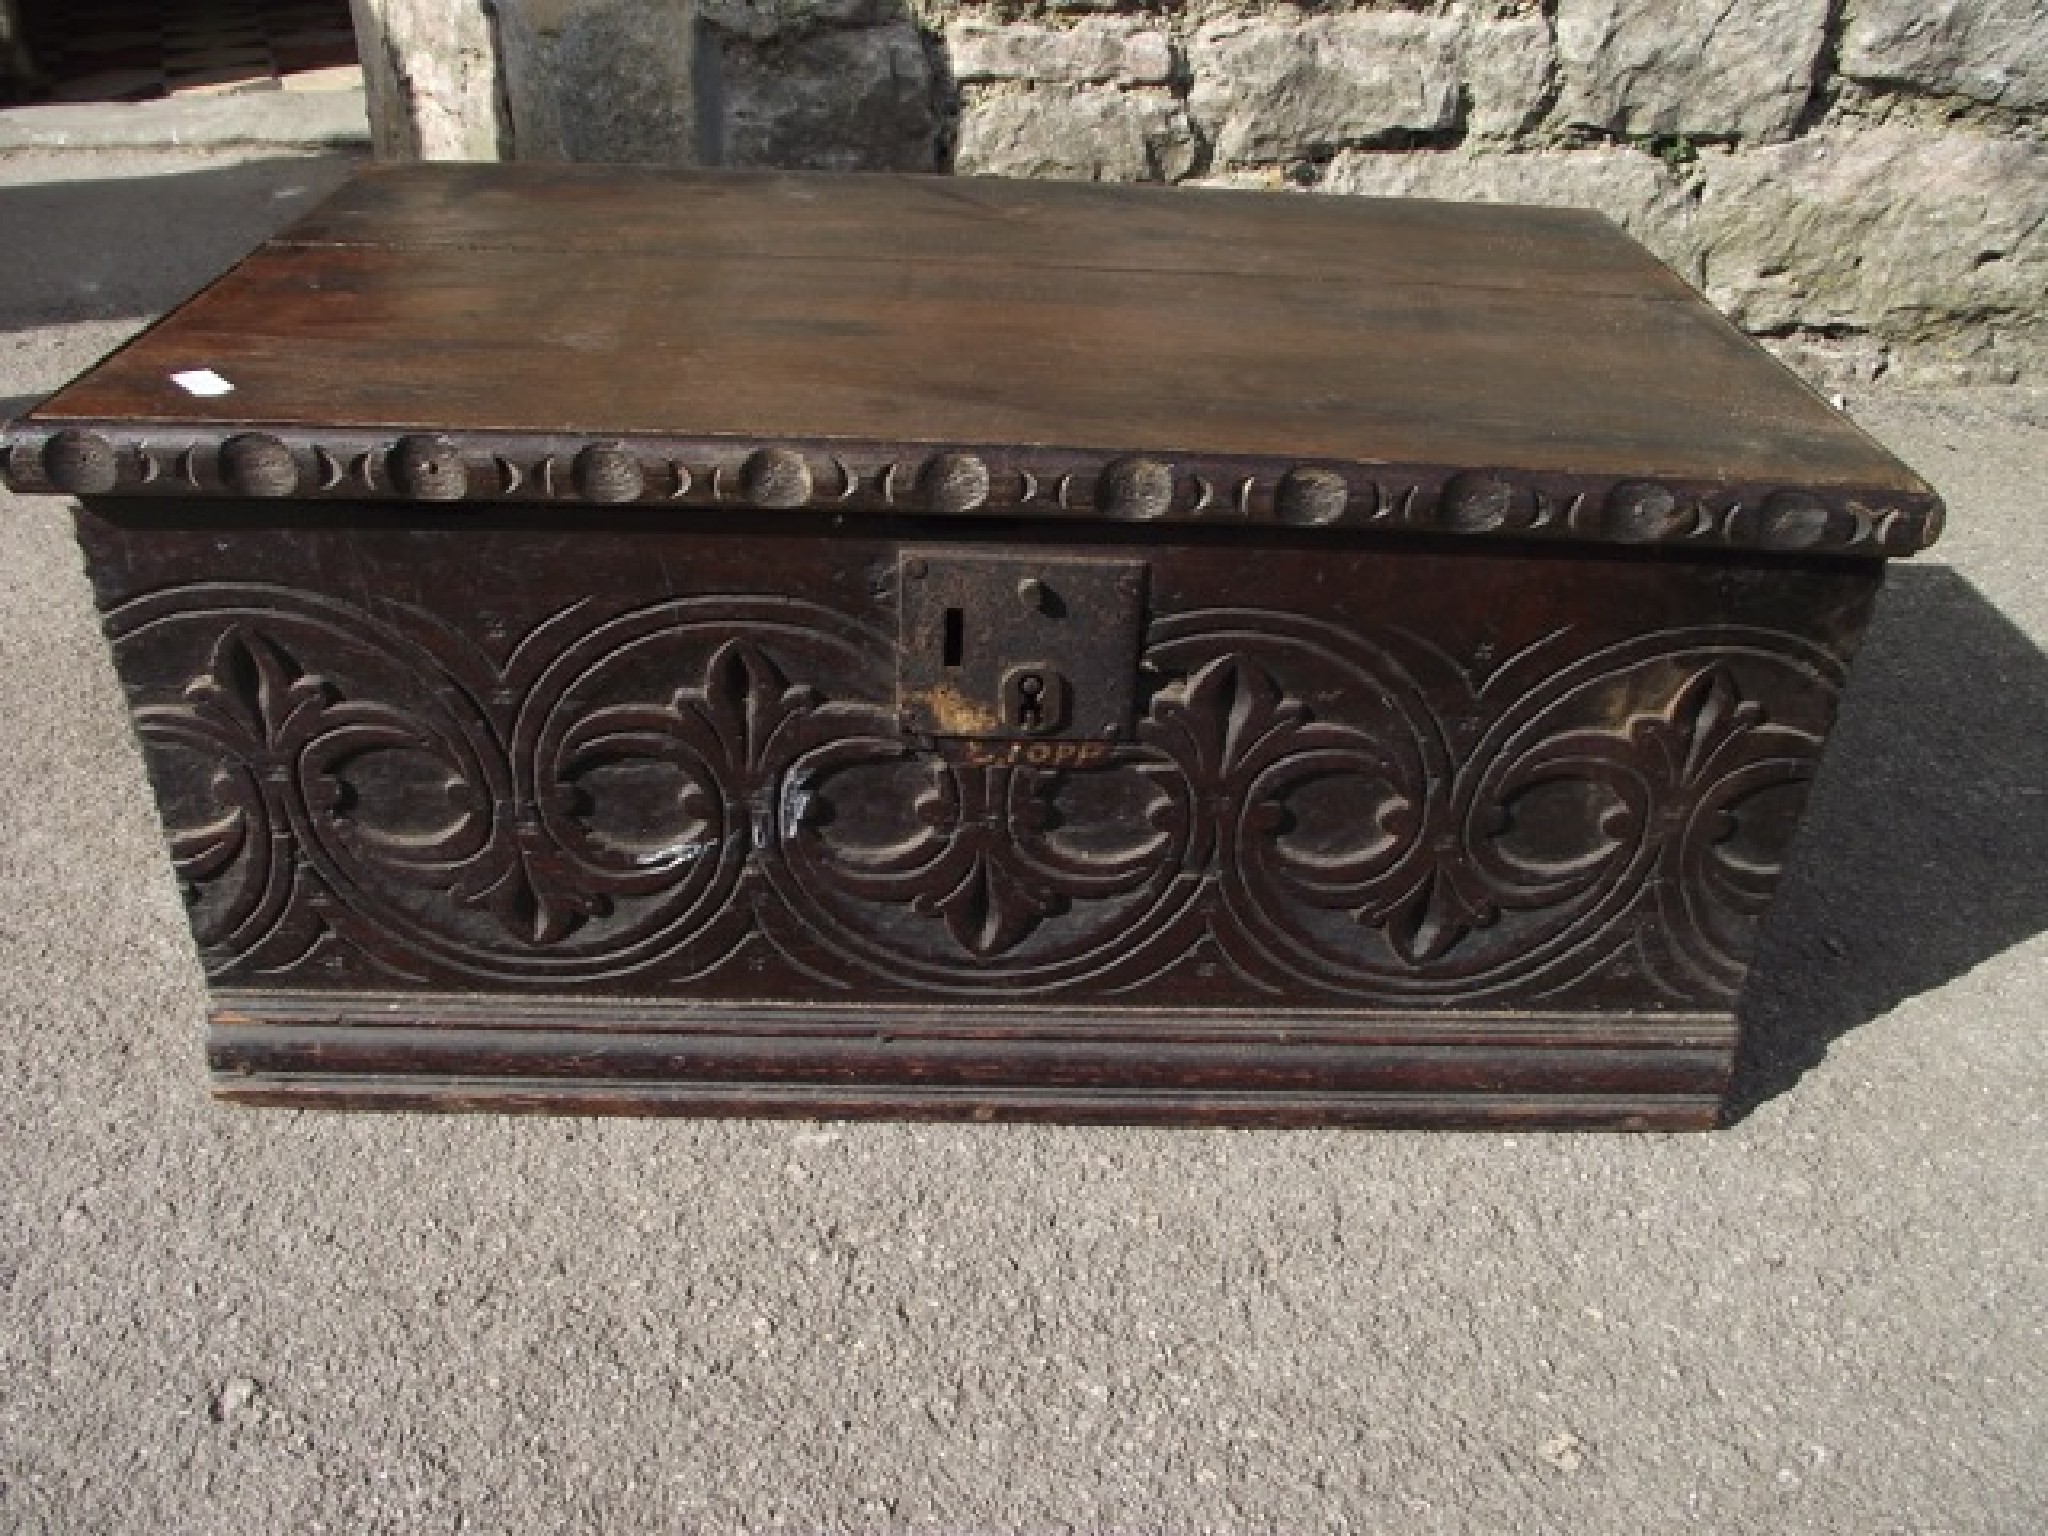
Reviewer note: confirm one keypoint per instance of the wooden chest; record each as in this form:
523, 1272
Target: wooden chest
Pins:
668, 642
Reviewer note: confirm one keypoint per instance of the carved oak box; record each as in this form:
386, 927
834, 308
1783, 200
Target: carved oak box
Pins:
683, 642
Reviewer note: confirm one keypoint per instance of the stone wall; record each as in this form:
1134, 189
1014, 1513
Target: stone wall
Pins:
1863, 182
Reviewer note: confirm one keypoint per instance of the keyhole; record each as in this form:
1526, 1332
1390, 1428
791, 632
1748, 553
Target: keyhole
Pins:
955, 640
1031, 708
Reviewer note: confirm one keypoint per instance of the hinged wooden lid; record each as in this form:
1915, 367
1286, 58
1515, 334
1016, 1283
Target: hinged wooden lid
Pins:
965, 347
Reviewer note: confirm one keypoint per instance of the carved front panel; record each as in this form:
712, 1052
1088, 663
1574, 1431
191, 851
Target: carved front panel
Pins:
639, 761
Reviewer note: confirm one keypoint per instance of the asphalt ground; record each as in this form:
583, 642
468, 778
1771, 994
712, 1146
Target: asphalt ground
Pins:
1825, 1318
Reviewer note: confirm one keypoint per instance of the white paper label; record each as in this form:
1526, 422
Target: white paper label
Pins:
203, 382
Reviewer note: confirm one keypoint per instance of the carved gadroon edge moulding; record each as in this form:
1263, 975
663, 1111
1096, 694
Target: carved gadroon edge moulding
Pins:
105, 459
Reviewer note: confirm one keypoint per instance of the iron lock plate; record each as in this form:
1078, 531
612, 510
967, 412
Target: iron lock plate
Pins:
1017, 645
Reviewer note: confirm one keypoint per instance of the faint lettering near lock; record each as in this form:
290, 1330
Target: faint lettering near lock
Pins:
1033, 754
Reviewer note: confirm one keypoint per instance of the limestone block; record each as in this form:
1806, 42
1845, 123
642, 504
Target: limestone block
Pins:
1508, 70
601, 80
760, 20
1076, 135
1096, 51
1638, 191
1271, 90
1250, 178
2010, 350
1705, 68
1993, 51
1890, 231
1833, 365
858, 99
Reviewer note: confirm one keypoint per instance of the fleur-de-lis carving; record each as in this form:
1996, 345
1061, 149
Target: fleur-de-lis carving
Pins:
1227, 727
983, 864
254, 688
1354, 815
987, 893
1692, 740
521, 887
726, 735
969, 867
1426, 921
747, 703
1244, 743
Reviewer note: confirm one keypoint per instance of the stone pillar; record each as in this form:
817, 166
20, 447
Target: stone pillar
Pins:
838, 85
610, 80
530, 79
829, 84
430, 71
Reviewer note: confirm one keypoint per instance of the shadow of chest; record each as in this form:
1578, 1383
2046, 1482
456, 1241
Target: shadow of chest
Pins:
664, 642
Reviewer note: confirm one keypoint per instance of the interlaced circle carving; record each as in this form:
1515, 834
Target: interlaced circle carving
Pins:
703, 787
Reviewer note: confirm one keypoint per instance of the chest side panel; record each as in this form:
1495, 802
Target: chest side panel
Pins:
509, 757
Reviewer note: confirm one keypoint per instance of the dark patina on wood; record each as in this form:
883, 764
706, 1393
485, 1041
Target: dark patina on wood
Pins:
670, 642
